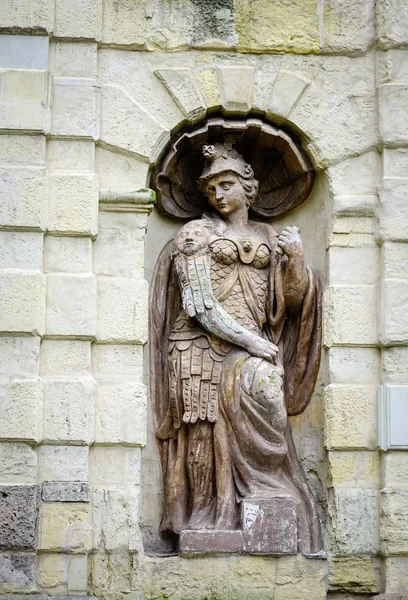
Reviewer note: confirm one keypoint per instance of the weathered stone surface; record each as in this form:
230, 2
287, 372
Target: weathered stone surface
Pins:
73, 204
73, 60
78, 19
356, 326
66, 491
65, 527
393, 210
121, 412
17, 572
25, 100
354, 521
358, 175
22, 150
78, 574
115, 574
76, 156
117, 360
354, 469
19, 356
51, 573
350, 417
396, 574
18, 463
395, 469
19, 514
393, 101
348, 26
286, 91
236, 88
358, 575
21, 250
208, 84
394, 365
395, 160
119, 171
193, 541
63, 357
348, 266
354, 365
67, 254
391, 29
75, 108
23, 52
182, 87
116, 519
270, 526
62, 463
22, 302
277, 27
71, 305
35, 15
394, 312
69, 410
112, 466
122, 306
21, 410
394, 260
23, 198
394, 521
390, 597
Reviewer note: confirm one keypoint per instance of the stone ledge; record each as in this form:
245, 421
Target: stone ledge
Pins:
138, 201
43, 597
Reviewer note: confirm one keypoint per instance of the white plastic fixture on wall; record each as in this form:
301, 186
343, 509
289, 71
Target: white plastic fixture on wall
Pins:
393, 417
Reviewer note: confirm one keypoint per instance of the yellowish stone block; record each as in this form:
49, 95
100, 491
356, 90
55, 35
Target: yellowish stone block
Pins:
354, 574
354, 469
396, 469
65, 526
51, 572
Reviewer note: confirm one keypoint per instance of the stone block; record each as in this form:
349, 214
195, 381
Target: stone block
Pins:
355, 205
208, 84
119, 171
395, 469
358, 265
76, 107
78, 19
354, 521
21, 411
393, 100
396, 574
354, 469
117, 360
395, 160
22, 150
51, 573
236, 88
394, 312
69, 410
73, 60
112, 466
71, 155
355, 176
18, 463
350, 315
122, 309
17, 572
35, 15
65, 491
278, 27
67, 254
62, 463
299, 577
349, 27
65, 527
394, 365
19, 514
116, 520
121, 413
394, 521
25, 100
126, 125
119, 247
394, 260
23, 198
21, 250
392, 31
114, 574
19, 356
354, 365
204, 541
78, 574
354, 574
22, 302
350, 417
65, 357
24, 52
73, 204
270, 526
286, 91
394, 210
182, 87
71, 305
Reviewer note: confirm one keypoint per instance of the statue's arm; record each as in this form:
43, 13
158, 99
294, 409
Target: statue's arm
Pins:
199, 302
296, 279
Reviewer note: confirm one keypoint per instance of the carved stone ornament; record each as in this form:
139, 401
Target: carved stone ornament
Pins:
284, 173
235, 347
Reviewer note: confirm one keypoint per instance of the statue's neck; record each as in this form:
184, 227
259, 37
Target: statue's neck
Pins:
238, 220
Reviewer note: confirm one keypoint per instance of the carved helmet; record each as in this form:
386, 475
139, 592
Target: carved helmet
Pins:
221, 158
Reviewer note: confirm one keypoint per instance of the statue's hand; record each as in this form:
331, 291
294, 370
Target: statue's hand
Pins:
262, 348
289, 242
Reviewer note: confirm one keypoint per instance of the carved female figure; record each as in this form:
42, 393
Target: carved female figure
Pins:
235, 349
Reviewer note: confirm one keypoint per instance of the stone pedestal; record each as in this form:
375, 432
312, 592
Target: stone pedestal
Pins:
268, 527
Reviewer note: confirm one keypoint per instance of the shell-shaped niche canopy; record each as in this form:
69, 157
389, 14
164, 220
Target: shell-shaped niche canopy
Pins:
283, 170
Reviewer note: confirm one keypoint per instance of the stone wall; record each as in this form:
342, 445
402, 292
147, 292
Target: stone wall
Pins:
90, 93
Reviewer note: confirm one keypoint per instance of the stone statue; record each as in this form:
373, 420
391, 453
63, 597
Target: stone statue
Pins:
235, 348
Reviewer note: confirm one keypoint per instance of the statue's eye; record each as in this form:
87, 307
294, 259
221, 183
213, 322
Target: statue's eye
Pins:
198, 232
226, 186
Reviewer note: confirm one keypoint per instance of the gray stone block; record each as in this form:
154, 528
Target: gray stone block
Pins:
270, 525
66, 491
390, 597
205, 541
25, 597
17, 571
19, 516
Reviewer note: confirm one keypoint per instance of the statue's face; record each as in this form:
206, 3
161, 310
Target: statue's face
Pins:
191, 238
225, 193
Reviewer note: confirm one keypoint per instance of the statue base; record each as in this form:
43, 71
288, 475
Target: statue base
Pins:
268, 527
